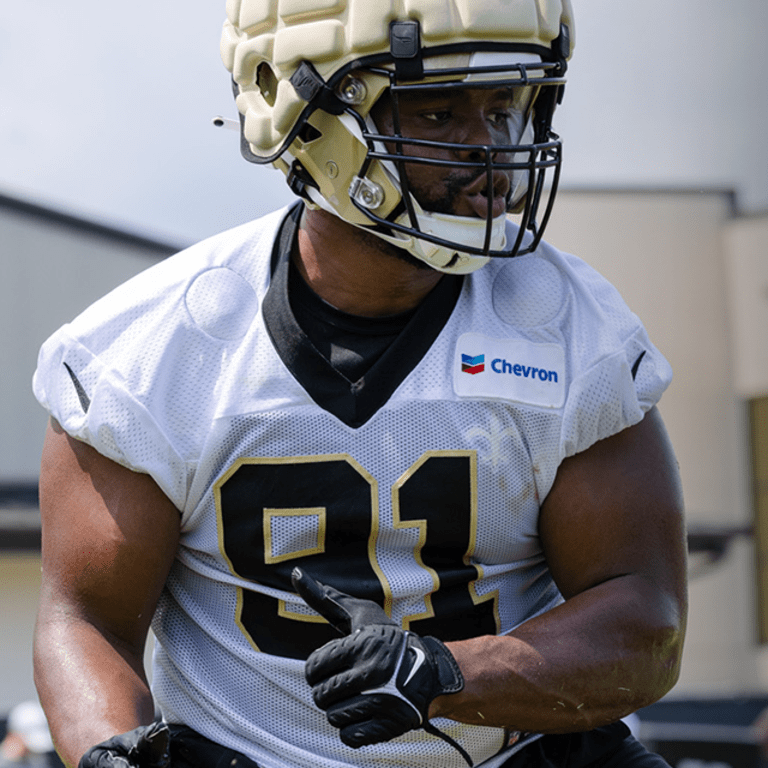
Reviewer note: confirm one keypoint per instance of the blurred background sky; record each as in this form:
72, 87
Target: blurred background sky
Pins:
105, 110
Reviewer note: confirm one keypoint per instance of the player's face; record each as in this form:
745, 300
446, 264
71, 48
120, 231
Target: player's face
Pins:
460, 116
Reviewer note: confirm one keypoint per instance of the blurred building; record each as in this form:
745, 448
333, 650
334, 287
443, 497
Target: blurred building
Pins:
52, 265
691, 267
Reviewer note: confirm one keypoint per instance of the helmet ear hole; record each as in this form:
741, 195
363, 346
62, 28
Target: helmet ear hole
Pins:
309, 133
267, 83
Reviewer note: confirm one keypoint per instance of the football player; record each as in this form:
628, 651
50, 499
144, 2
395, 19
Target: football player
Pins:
383, 470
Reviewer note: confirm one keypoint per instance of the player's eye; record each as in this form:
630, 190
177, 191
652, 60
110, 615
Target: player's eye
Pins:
500, 117
437, 115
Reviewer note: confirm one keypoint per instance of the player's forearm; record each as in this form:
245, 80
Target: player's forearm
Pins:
589, 662
90, 687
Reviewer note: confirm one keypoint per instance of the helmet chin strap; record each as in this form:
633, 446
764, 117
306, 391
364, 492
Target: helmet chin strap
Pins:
462, 230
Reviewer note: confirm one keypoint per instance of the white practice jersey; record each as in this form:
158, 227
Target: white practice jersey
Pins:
418, 486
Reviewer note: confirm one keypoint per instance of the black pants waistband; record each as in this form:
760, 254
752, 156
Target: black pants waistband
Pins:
190, 749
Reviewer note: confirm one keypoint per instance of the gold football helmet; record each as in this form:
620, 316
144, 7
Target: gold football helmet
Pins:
307, 73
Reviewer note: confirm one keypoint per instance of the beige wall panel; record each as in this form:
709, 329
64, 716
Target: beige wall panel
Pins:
19, 587
663, 251
746, 253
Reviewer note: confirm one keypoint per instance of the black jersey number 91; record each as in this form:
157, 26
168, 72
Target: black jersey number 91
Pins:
323, 512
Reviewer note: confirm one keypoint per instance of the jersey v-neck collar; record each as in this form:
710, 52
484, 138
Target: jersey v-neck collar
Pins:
352, 402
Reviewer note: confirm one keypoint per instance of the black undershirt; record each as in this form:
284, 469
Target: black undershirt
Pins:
375, 354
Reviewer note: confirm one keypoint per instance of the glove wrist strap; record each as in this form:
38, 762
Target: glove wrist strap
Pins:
431, 729
448, 673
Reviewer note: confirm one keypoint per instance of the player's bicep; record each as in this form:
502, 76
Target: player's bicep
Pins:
109, 538
616, 510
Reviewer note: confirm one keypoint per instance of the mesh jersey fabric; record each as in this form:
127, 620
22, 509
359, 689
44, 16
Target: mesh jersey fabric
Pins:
430, 506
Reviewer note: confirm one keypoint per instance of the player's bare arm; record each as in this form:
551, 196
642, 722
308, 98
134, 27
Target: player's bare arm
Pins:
109, 537
612, 531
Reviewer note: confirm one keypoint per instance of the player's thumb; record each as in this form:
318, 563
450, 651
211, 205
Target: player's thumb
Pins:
346, 613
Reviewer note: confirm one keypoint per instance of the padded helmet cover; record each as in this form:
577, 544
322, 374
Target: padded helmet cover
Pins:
289, 60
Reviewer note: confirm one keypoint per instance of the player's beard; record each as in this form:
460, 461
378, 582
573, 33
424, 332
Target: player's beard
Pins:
446, 198
390, 249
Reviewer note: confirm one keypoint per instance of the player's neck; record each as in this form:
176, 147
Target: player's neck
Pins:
350, 271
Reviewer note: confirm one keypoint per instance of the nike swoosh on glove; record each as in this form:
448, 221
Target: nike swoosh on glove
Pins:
145, 747
378, 681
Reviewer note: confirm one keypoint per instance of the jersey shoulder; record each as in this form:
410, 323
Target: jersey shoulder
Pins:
550, 313
218, 273
135, 374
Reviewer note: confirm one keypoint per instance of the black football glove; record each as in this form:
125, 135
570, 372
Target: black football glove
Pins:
145, 747
378, 681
